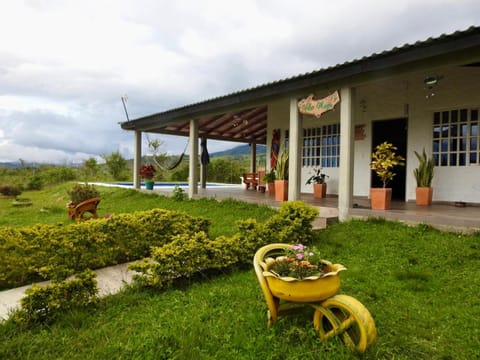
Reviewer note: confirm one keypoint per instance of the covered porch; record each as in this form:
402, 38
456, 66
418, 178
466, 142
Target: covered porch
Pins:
444, 216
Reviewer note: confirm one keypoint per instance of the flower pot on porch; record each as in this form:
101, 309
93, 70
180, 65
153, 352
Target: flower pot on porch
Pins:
381, 198
319, 191
424, 195
149, 184
281, 190
271, 188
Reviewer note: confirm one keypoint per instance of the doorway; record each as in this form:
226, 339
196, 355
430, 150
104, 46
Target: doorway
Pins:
393, 131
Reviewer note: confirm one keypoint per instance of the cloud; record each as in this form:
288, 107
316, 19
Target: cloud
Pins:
64, 64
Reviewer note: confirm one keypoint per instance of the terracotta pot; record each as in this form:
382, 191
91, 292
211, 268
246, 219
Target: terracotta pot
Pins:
271, 188
319, 191
381, 198
281, 190
424, 195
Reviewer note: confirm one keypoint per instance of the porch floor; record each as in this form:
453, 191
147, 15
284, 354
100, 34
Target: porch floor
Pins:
442, 216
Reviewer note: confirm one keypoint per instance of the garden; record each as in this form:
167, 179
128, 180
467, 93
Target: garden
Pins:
419, 284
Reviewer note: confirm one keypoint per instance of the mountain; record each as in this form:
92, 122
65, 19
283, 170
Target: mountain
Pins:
239, 150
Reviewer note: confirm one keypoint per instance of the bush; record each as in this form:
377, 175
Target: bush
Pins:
187, 255
80, 193
10, 190
43, 303
56, 252
35, 183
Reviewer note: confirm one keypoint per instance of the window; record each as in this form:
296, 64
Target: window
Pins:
321, 146
456, 137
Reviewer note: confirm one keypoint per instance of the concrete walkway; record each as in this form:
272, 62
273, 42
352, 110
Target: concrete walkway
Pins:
109, 281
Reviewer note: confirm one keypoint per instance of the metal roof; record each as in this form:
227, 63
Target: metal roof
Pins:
219, 118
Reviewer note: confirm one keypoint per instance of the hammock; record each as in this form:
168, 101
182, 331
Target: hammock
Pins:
174, 165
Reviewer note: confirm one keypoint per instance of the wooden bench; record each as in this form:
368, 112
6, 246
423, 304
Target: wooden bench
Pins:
87, 206
250, 180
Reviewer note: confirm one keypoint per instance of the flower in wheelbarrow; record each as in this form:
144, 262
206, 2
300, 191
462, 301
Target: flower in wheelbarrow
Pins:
298, 262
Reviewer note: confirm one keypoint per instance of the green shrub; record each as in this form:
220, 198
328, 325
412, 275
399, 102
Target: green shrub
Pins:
80, 193
10, 190
43, 303
179, 193
187, 255
56, 252
35, 183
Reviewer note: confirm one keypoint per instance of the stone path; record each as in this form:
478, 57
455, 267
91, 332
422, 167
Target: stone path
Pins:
110, 280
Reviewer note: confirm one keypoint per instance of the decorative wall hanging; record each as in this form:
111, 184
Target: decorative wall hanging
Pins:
309, 106
275, 148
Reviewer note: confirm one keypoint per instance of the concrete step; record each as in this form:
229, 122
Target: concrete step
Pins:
327, 215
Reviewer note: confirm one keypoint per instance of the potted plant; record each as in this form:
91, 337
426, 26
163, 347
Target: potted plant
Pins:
384, 160
79, 194
319, 183
299, 274
269, 178
147, 172
293, 277
281, 177
424, 176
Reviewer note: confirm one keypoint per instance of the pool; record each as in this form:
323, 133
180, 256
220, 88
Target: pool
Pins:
166, 185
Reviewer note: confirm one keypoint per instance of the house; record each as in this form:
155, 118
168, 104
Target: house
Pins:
421, 95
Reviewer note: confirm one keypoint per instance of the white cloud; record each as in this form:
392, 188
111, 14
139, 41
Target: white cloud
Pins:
64, 64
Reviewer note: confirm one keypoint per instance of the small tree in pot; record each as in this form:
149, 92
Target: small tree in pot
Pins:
384, 160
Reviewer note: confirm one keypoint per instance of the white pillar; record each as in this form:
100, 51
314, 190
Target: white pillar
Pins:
294, 151
345, 181
137, 158
192, 173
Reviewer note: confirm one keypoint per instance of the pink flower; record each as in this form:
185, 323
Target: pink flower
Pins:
299, 256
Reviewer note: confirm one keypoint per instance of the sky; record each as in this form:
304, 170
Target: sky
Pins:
65, 64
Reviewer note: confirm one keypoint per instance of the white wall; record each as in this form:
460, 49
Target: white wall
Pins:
396, 98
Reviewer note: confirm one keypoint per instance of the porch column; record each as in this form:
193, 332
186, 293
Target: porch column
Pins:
253, 157
204, 164
345, 181
294, 151
137, 158
193, 165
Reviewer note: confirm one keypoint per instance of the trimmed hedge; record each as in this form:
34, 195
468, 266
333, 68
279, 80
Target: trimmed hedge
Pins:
44, 303
186, 255
55, 252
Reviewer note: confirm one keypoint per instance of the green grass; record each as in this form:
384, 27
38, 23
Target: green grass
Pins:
49, 207
421, 286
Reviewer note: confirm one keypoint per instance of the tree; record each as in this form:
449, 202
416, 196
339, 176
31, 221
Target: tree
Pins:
116, 165
90, 168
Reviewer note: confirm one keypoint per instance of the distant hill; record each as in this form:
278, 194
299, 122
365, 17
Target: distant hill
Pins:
239, 150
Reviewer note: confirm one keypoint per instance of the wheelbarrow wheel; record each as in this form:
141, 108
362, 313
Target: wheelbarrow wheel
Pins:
345, 316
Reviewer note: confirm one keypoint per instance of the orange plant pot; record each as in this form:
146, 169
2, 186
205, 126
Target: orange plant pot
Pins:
281, 190
381, 198
319, 191
424, 195
271, 188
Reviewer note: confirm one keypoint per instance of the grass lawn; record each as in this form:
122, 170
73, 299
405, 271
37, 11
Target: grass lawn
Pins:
421, 286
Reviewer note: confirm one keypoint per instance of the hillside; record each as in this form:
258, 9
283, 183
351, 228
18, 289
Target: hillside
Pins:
239, 150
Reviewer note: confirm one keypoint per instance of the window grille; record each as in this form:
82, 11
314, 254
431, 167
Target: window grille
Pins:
321, 146
455, 137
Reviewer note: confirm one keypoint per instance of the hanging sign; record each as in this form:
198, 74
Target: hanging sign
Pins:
308, 106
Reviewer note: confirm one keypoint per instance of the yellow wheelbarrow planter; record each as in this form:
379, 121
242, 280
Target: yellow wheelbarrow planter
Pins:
334, 314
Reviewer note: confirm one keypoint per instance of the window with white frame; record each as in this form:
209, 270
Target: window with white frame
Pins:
321, 146
456, 138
